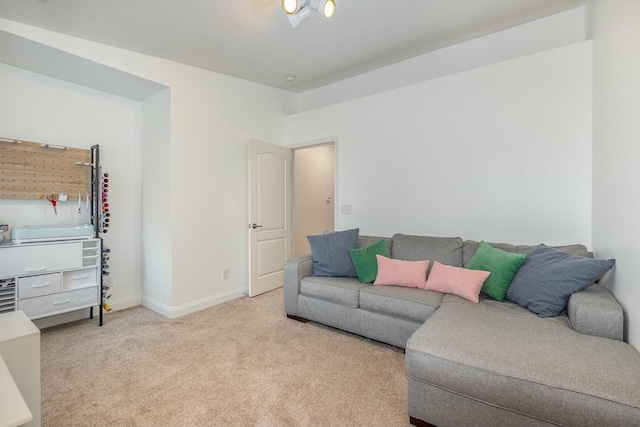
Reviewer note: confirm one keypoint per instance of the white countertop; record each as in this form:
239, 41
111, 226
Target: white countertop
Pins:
16, 324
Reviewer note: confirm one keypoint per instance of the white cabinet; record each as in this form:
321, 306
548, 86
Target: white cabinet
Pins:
45, 279
20, 351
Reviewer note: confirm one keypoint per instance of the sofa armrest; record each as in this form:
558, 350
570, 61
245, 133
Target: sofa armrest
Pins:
294, 270
595, 311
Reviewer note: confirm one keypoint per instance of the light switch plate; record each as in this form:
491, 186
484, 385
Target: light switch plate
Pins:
345, 209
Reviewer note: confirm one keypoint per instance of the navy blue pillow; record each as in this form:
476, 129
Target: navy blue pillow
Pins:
330, 253
548, 277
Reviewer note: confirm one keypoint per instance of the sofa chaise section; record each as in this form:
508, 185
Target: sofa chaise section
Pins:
493, 363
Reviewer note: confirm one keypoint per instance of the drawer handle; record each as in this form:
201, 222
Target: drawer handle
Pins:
86, 276
31, 270
61, 302
44, 285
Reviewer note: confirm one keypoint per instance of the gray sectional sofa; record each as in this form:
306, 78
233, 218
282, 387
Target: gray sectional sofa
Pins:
486, 364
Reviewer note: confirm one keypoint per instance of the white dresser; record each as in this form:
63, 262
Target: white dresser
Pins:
49, 278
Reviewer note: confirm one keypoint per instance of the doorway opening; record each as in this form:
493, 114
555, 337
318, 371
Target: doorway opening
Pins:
313, 210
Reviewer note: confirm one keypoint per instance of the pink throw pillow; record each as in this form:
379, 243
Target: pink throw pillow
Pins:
458, 281
396, 272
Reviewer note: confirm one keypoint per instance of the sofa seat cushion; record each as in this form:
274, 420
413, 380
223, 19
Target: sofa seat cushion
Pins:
503, 356
340, 290
403, 303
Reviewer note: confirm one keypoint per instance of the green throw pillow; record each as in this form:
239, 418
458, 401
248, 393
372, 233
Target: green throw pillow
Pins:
503, 266
365, 261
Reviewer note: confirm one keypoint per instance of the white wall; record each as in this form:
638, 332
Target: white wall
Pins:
43, 109
212, 118
501, 153
313, 182
615, 27
543, 34
155, 171
457, 146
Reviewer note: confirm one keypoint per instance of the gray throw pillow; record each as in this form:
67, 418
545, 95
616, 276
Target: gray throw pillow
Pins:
330, 253
548, 277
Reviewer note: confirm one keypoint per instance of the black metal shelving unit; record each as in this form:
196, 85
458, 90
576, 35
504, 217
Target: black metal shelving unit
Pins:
95, 217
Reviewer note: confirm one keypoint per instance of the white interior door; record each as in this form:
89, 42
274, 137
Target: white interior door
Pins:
269, 215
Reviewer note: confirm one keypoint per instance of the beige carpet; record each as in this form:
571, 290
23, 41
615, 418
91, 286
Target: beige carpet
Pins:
242, 363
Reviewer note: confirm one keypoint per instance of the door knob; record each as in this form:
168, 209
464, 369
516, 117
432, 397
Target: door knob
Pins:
254, 226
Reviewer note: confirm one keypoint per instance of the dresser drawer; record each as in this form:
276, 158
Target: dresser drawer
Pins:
38, 285
34, 259
80, 278
62, 302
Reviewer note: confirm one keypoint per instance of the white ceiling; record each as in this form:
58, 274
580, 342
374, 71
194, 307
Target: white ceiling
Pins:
252, 39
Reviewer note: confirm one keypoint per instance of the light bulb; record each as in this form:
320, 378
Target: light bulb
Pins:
329, 8
290, 6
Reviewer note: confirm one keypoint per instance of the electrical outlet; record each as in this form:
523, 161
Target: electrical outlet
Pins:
225, 273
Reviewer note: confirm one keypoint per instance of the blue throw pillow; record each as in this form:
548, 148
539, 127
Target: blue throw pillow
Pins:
330, 253
548, 277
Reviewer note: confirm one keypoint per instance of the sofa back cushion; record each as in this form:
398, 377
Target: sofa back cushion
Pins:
446, 250
470, 247
364, 241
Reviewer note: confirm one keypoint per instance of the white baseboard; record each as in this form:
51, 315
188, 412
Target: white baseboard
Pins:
156, 306
192, 307
121, 304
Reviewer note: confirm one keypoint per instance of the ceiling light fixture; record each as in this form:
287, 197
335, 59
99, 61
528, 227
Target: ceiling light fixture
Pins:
295, 19
299, 10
